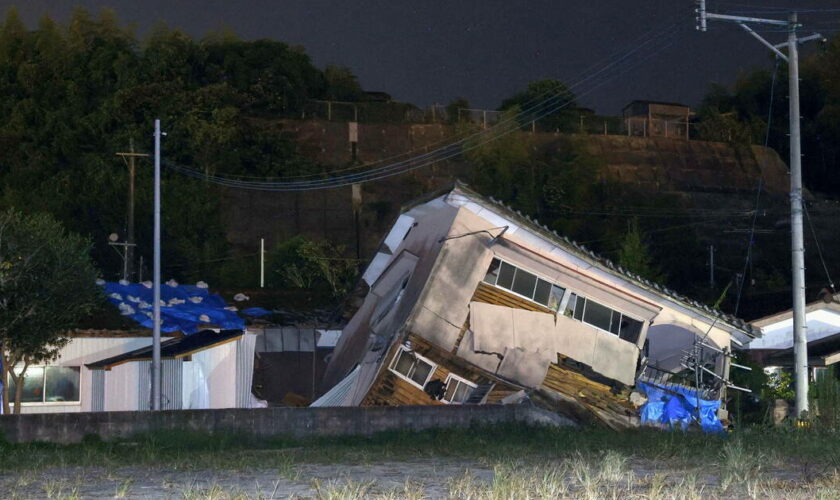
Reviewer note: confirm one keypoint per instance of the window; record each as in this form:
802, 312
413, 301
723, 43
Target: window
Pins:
630, 329
458, 390
412, 367
574, 308
523, 283
49, 384
600, 316
597, 315
528, 285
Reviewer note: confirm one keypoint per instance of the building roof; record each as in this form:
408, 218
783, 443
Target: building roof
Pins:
662, 103
172, 349
822, 320
821, 352
605, 264
832, 303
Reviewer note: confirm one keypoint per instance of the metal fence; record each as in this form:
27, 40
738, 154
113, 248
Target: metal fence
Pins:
566, 122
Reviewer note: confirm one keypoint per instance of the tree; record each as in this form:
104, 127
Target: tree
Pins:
547, 101
342, 84
453, 107
47, 284
303, 263
634, 255
72, 94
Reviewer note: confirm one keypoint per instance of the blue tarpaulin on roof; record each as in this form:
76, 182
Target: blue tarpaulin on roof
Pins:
256, 311
676, 406
183, 307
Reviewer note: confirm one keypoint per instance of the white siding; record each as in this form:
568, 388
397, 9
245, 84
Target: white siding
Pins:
218, 367
79, 352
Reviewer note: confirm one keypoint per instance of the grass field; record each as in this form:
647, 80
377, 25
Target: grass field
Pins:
499, 462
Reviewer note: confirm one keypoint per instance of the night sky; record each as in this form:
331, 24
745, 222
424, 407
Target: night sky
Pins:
427, 51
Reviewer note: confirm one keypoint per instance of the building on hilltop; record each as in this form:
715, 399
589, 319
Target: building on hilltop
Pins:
470, 302
657, 119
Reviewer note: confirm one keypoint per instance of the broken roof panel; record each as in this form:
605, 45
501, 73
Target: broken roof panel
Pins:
376, 267
398, 232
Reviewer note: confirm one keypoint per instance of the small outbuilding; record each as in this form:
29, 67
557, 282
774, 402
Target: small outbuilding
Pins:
657, 119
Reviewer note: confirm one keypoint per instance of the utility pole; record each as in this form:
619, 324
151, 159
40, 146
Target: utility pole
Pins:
711, 266
262, 262
130, 243
156, 382
800, 337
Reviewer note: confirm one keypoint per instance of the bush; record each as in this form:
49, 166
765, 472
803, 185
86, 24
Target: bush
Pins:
826, 399
319, 266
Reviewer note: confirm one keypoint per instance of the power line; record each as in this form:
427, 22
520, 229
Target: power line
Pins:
751, 240
410, 164
445, 152
528, 106
819, 249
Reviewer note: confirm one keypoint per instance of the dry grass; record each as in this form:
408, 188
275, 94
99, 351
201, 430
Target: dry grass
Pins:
492, 463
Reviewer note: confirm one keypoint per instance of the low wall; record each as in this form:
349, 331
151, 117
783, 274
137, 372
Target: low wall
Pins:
292, 422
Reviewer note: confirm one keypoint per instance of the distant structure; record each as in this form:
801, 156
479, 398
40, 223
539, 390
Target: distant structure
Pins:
374, 96
656, 119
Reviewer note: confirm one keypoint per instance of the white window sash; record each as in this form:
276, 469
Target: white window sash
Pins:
417, 358
460, 380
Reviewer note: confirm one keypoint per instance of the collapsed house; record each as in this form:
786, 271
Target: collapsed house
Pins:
470, 302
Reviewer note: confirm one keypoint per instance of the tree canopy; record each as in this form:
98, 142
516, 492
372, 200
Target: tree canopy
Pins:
47, 284
742, 114
74, 94
548, 101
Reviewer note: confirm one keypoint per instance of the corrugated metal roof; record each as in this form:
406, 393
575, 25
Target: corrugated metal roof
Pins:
337, 396
171, 349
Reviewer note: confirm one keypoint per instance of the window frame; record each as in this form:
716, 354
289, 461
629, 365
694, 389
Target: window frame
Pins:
513, 279
461, 380
564, 302
416, 356
44, 389
621, 313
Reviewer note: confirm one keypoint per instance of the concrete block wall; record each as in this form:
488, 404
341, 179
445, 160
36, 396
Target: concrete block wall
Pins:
291, 422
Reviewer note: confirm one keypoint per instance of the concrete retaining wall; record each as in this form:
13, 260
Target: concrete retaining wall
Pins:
292, 422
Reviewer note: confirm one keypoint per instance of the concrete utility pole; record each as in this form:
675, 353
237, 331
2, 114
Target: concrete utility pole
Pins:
130, 243
262, 262
800, 336
156, 382
711, 266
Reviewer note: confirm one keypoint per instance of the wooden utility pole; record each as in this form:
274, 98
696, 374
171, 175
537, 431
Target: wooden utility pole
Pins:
130, 244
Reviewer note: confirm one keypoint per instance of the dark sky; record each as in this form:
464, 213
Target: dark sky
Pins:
426, 51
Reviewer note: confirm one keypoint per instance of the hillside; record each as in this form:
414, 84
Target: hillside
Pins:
690, 177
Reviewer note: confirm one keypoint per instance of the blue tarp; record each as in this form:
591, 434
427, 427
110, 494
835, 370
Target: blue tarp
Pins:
183, 307
677, 407
256, 311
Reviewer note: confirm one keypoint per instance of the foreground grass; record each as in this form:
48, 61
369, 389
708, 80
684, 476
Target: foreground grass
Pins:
516, 462
199, 450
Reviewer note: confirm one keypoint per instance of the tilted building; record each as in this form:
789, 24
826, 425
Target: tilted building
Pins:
471, 302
